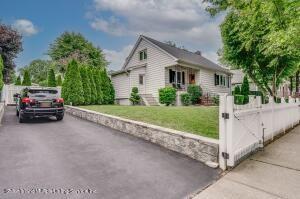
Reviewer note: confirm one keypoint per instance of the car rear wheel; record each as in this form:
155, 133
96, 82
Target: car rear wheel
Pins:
59, 117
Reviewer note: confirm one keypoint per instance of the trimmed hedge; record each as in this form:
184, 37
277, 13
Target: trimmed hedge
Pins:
185, 99
239, 99
167, 95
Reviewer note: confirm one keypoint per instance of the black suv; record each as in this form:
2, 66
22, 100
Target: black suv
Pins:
39, 102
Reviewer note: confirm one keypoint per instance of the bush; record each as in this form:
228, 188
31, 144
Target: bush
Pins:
51, 78
239, 99
237, 90
26, 79
86, 85
59, 80
72, 90
18, 81
216, 100
195, 93
134, 96
167, 95
185, 99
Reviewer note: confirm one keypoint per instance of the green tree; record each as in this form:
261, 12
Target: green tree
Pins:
18, 81
71, 45
11, 46
51, 78
1, 73
262, 38
72, 90
26, 79
59, 80
245, 90
38, 69
135, 98
86, 85
94, 95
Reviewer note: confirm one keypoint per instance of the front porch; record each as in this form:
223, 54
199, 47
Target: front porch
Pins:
180, 77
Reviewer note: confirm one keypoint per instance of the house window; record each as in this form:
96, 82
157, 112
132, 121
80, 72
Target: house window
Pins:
222, 80
141, 79
172, 75
183, 77
143, 54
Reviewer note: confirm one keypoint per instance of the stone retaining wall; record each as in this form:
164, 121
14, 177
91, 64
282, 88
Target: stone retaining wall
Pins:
197, 147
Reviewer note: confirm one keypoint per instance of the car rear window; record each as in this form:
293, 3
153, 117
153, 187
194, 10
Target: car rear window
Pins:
43, 91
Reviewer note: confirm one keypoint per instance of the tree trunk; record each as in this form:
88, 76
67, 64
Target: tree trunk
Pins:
291, 85
297, 82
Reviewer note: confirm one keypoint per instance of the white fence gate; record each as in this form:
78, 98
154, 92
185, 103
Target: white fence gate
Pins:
244, 128
8, 92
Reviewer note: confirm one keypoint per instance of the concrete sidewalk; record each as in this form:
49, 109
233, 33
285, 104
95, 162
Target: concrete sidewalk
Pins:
272, 173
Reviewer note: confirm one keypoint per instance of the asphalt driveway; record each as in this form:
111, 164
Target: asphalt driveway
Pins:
79, 159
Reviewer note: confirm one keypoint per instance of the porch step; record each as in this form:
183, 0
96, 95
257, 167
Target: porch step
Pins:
149, 100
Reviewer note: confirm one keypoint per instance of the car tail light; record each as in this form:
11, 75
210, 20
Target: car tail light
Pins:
59, 100
28, 100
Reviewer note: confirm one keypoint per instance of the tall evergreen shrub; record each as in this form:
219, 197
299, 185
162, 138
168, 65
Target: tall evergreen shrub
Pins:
18, 81
72, 90
26, 79
51, 82
85, 85
59, 80
1, 73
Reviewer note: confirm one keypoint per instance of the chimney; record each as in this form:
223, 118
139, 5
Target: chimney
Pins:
198, 52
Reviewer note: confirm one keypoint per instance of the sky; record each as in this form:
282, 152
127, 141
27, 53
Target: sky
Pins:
113, 25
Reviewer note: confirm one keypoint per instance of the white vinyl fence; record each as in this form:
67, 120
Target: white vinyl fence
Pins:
245, 128
8, 91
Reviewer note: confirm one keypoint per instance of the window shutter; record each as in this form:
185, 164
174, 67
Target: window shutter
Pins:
215, 79
183, 78
170, 76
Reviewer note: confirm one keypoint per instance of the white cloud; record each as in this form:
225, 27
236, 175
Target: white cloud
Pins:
117, 58
25, 27
183, 21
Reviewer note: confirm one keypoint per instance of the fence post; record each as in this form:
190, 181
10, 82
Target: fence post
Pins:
222, 131
229, 131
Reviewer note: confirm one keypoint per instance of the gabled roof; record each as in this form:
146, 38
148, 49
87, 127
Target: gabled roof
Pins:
180, 55
187, 56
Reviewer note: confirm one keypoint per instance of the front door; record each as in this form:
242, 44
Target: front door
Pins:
142, 84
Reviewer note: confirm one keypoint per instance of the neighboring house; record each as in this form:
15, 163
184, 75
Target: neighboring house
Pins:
152, 65
237, 80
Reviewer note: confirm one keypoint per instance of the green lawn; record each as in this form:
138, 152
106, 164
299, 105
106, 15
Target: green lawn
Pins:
197, 120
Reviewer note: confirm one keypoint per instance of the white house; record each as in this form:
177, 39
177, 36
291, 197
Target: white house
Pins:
152, 65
